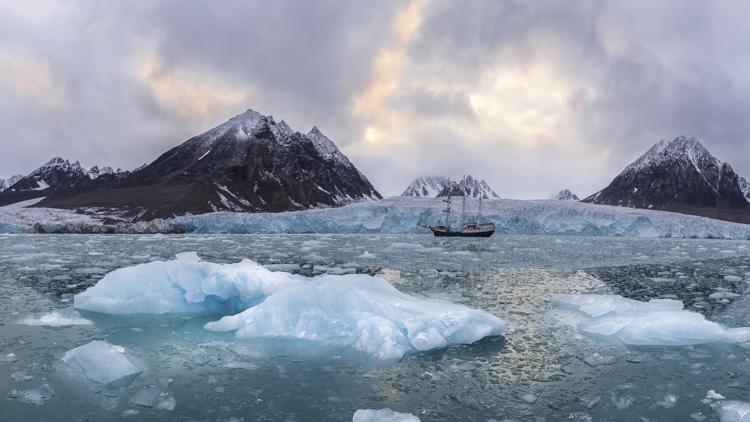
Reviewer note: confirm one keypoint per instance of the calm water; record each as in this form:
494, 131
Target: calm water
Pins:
543, 369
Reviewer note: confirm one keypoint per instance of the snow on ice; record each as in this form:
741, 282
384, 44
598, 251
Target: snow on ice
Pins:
355, 310
104, 364
658, 322
382, 415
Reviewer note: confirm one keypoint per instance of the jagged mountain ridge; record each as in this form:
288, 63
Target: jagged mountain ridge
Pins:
435, 186
681, 175
249, 163
429, 186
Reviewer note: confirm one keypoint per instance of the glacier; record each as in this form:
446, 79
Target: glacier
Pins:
395, 215
658, 322
355, 310
401, 215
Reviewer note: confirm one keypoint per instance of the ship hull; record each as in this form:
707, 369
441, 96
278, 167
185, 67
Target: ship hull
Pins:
445, 233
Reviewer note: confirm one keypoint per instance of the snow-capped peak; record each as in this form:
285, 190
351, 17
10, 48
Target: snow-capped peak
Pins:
325, 147
443, 186
681, 148
565, 195
429, 186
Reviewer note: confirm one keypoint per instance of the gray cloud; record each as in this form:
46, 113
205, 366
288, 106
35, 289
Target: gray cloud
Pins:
118, 83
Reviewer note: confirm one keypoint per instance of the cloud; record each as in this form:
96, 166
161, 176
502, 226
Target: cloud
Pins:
533, 96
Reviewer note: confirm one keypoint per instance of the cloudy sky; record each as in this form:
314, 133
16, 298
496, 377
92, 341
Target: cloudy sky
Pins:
533, 96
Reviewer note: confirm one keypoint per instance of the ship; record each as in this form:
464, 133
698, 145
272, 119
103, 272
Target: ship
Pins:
472, 229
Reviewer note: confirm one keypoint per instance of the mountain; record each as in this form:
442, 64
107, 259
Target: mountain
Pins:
745, 188
56, 175
470, 187
249, 163
429, 186
683, 176
11, 180
565, 195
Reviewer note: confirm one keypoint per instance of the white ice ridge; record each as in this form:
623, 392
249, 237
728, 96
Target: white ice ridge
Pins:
382, 415
359, 311
658, 322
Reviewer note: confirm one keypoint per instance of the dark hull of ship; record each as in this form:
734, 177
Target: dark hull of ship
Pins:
448, 233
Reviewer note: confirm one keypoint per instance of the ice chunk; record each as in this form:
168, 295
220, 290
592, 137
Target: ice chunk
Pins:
382, 415
364, 312
359, 311
733, 411
57, 318
656, 322
103, 363
153, 396
36, 396
185, 285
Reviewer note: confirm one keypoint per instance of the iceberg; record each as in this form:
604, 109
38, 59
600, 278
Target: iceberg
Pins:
35, 396
106, 365
354, 310
382, 415
732, 411
658, 322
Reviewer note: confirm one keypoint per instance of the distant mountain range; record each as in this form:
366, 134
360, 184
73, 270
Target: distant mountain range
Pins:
434, 186
249, 163
682, 176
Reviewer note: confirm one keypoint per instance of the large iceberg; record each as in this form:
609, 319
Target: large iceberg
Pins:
355, 310
660, 322
382, 415
101, 363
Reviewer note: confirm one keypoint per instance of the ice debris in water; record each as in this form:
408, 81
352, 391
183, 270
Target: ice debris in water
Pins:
36, 396
56, 318
103, 363
732, 411
382, 415
361, 311
155, 397
658, 322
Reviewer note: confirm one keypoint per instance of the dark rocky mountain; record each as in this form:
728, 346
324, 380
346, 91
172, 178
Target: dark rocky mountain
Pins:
469, 187
565, 195
57, 175
683, 176
249, 163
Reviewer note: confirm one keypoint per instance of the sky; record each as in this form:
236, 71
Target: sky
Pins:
533, 96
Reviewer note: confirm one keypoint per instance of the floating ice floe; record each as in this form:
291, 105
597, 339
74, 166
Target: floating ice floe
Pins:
56, 318
382, 415
106, 365
732, 411
659, 322
35, 396
359, 311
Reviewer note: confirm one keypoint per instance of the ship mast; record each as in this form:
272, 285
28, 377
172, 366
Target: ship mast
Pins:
463, 211
447, 211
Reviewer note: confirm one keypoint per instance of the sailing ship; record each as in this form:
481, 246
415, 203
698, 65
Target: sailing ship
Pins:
472, 229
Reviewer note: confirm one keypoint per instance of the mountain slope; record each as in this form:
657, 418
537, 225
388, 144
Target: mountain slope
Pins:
249, 163
681, 175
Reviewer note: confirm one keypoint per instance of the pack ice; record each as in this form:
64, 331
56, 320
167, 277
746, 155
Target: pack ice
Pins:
354, 310
106, 365
658, 322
